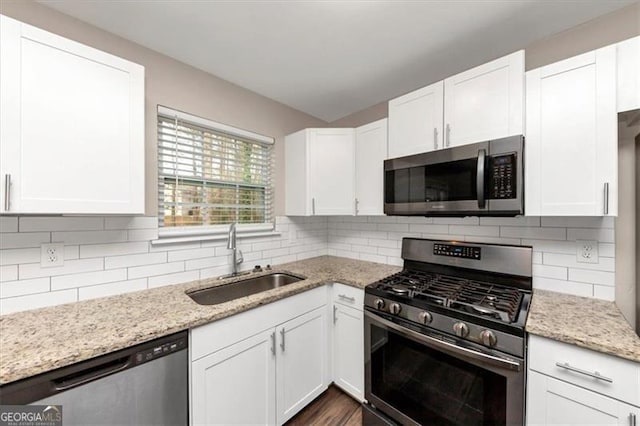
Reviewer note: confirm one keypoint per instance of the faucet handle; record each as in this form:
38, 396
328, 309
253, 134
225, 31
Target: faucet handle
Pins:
239, 257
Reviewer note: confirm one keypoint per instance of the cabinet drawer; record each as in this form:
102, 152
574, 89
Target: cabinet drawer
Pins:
348, 296
574, 364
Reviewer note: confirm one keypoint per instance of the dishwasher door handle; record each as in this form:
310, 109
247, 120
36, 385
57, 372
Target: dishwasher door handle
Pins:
75, 380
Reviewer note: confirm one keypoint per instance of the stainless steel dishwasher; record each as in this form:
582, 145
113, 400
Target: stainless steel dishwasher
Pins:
145, 384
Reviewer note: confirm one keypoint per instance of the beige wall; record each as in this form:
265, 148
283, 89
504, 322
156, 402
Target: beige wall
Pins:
177, 85
605, 30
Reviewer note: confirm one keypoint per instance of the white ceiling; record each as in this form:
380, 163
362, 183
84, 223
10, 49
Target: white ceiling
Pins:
332, 58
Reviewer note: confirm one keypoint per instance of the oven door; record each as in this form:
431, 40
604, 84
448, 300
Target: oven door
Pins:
417, 378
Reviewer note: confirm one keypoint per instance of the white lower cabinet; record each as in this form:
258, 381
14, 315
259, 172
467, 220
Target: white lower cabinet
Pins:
236, 385
261, 366
554, 402
348, 350
569, 385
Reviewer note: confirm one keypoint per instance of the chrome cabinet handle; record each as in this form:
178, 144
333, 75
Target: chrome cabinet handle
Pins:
335, 314
435, 138
448, 140
356, 206
606, 198
595, 374
7, 192
273, 343
480, 178
349, 298
313, 206
282, 334
632, 419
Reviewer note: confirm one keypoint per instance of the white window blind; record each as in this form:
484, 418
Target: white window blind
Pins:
211, 175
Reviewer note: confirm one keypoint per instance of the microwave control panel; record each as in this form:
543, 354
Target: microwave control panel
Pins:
502, 174
454, 250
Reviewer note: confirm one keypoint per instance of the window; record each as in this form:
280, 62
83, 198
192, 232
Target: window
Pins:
211, 175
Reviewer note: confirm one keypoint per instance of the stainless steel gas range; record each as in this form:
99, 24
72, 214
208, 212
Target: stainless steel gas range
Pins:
444, 338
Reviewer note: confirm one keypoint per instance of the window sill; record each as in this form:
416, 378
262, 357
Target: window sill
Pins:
177, 238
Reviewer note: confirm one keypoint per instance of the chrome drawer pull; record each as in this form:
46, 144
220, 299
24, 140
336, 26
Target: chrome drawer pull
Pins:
273, 343
595, 374
349, 298
335, 314
7, 192
632, 419
282, 334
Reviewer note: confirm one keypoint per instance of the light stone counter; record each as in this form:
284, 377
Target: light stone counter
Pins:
36, 341
590, 323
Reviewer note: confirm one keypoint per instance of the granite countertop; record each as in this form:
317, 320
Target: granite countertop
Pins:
36, 341
590, 323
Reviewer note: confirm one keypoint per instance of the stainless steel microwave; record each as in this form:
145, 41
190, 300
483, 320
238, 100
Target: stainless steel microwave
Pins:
481, 179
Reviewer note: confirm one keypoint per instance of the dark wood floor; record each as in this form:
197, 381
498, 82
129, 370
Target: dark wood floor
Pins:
333, 407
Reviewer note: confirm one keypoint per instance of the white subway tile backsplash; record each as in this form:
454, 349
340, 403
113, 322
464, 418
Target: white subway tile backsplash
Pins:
135, 260
15, 240
8, 273
138, 222
88, 237
34, 270
39, 300
24, 287
17, 256
111, 289
87, 278
112, 255
151, 270
175, 278
115, 249
8, 224
50, 224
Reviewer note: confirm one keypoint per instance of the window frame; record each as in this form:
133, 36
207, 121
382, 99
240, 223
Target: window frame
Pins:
175, 234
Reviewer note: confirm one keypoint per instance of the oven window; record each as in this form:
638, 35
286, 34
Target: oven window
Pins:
451, 181
433, 388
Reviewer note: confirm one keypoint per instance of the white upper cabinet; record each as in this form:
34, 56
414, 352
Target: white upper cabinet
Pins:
629, 74
415, 121
483, 103
320, 172
486, 102
371, 151
71, 126
571, 151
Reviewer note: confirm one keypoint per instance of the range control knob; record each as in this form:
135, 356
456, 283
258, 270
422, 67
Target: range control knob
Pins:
395, 308
461, 329
425, 317
379, 304
488, 338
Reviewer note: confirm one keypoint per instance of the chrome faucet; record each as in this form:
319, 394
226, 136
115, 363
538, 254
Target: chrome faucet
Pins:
236, 257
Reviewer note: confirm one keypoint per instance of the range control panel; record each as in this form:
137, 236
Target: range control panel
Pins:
451, 250
160, 350
503, 177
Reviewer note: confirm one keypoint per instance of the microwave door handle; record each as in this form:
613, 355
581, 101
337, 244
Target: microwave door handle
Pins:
482, 154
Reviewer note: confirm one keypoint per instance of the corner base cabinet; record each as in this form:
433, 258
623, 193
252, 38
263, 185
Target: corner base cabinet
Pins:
71, 126
569, 385
261, 366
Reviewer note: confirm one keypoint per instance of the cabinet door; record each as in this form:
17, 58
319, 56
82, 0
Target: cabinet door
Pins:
236, 385
348, 350
72, 125
486, 102
571, 147
371, 151
331, 157
553, 402
415, 121
302, 362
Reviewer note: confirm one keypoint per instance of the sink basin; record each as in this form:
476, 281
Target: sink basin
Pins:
227, 292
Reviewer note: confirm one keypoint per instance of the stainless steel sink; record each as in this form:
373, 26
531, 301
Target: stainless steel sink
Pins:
227, 292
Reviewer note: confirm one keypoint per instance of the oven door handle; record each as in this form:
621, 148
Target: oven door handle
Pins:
447, 347
482, 154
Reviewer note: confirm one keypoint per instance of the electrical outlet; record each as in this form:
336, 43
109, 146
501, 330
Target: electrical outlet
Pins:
51, 255
587, 251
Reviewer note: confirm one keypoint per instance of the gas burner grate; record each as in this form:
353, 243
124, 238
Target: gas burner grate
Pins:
476, 297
